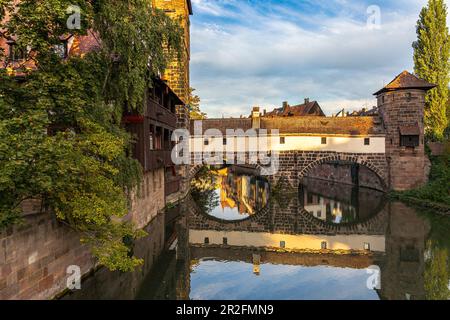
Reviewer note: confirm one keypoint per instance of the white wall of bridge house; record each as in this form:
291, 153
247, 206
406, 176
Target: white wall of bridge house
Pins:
148, 200
292, 242
343, 144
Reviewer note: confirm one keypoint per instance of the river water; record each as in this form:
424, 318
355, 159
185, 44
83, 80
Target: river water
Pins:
230, 240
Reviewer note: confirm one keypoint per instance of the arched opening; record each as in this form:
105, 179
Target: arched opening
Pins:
230, 193
341, 191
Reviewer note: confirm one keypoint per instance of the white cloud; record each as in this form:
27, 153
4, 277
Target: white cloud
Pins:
266, 57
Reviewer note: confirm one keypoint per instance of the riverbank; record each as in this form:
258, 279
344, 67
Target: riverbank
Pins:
436, 193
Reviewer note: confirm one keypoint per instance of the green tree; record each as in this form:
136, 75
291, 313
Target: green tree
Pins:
431, 58
194, 105
61, 138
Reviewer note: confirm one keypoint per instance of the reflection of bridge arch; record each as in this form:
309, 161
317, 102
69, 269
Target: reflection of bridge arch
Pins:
289, 219
375, 166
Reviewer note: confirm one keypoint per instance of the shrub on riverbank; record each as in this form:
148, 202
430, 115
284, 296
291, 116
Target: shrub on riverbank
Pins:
437, 191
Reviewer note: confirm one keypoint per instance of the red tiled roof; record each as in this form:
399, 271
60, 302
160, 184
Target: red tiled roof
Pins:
85, 44
353, 126
300, 110
406, 80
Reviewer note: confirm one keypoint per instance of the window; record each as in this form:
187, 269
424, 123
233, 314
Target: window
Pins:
206, 240
152, 138
323, 245
225, 241
366, 246
16, 53
324, 140
319, 214
206, 142
282, 244
224, 141
408, 96
282, 140
158, 144
367, 141
409, 141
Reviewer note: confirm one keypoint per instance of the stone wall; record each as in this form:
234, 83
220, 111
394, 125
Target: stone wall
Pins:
177, 72
105, 284
34, 258
294, 165
347, 173
149, 200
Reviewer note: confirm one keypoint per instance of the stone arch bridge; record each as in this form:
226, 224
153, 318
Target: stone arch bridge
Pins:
297, 146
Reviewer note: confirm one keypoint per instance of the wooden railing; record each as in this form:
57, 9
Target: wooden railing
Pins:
157, 112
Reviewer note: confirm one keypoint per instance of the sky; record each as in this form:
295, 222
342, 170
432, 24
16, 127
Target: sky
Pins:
247, 53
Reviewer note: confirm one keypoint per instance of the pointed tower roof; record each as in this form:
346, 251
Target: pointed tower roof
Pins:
406, 80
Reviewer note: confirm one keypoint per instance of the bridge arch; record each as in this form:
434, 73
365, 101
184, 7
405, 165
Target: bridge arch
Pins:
375, 165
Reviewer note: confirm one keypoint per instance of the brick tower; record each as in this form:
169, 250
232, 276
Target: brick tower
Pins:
177, 75
401, 105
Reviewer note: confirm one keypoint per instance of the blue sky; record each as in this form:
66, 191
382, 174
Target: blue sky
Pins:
261, 52
219, 280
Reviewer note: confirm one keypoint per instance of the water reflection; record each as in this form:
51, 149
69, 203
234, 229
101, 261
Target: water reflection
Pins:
339, 203
284, 252
232, 195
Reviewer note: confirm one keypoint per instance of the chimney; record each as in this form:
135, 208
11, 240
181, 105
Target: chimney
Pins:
256, 118
306, 100
264, 112
285, 105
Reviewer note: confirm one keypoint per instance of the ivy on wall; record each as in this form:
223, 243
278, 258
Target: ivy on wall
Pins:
61, 139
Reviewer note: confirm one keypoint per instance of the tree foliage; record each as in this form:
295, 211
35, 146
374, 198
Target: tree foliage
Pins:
61, 139
194, 105
431, 58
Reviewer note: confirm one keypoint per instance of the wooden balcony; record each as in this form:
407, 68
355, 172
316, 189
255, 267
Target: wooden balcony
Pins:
160, 114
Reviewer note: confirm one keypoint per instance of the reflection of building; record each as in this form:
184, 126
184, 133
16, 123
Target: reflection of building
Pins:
243, 193
338, 203
327, 209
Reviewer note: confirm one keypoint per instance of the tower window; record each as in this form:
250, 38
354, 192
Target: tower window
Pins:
367, 141
324, 140
410, 136
282, 140
409, 141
